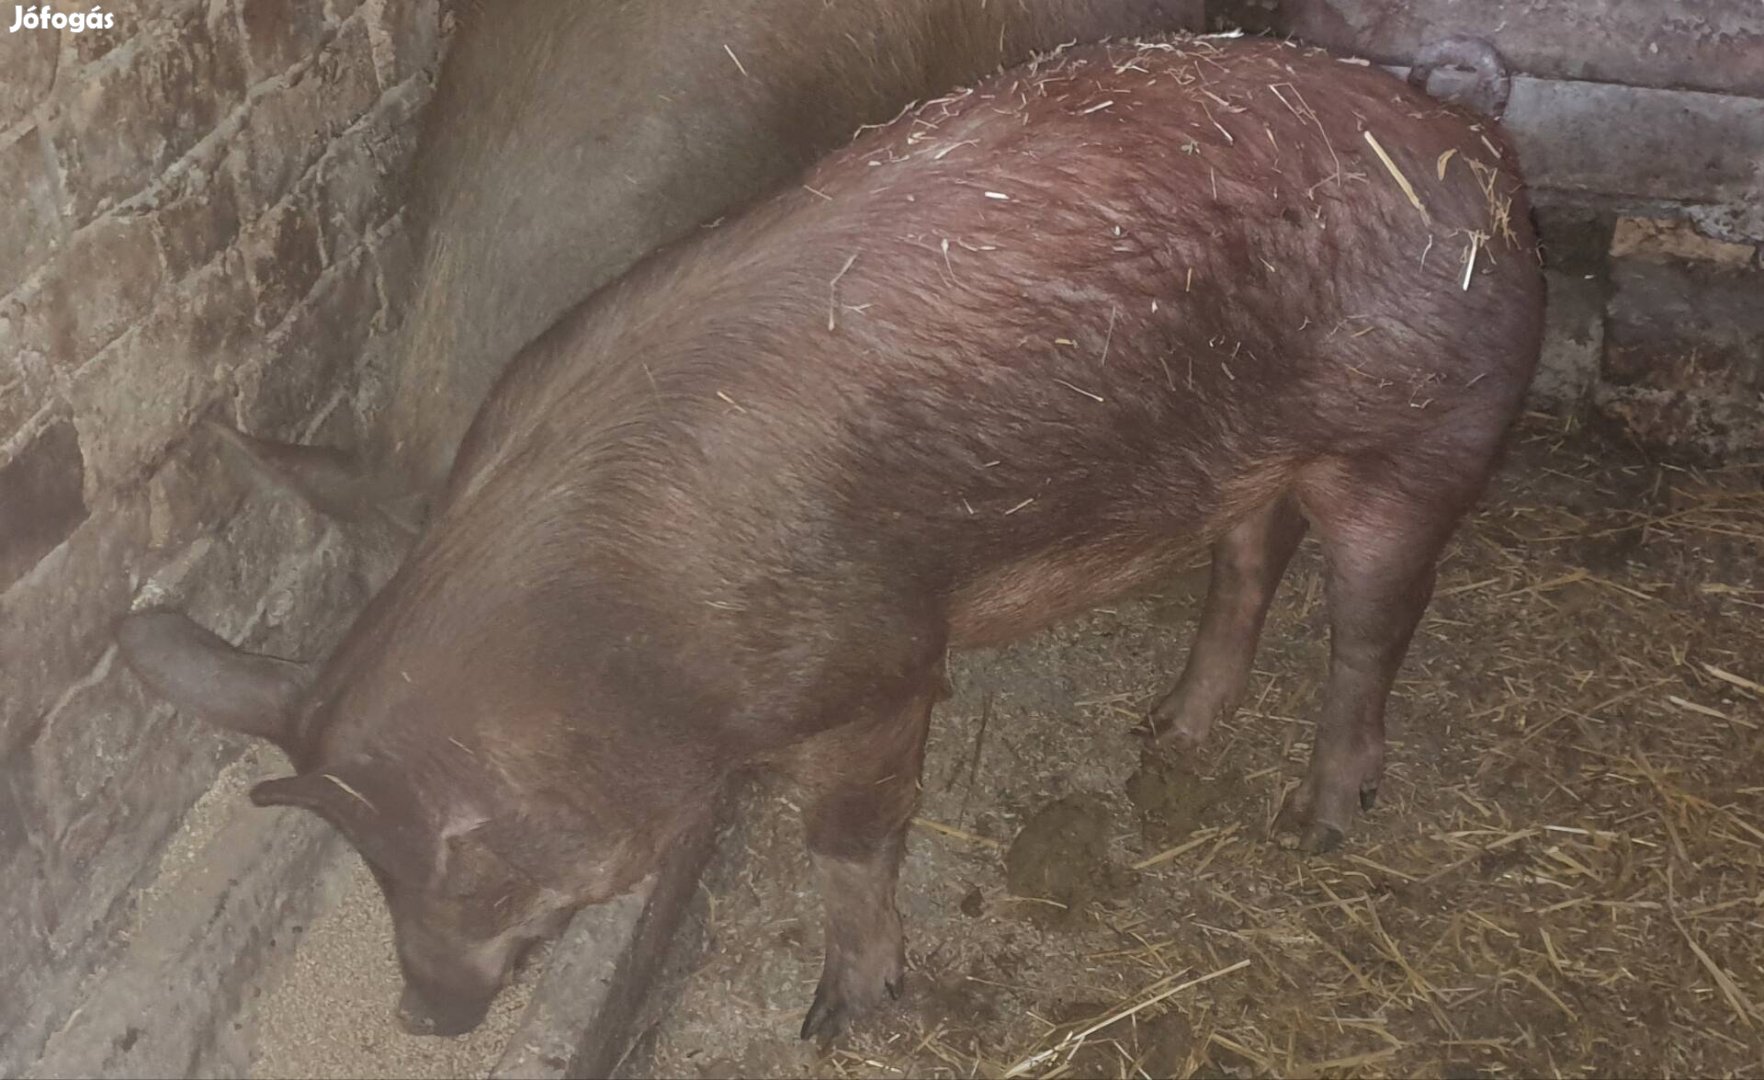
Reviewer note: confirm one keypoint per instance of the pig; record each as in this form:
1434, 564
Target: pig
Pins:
1027, 347
564, 141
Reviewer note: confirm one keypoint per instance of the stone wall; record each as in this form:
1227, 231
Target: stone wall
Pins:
1633, 119
199, 214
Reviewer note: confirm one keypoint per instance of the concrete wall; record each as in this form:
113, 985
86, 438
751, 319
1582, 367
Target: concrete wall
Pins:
196, 214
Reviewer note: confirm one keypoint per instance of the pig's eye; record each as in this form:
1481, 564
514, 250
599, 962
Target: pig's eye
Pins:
473, 870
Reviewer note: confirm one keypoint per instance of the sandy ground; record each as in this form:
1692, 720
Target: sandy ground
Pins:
1564, 874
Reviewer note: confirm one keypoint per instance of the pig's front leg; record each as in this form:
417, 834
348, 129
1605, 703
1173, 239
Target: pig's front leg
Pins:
863, 785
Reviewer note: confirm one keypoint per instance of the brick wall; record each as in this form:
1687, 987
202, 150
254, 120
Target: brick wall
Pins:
197, 211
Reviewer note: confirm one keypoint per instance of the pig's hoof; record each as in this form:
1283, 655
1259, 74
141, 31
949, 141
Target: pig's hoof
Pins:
1315, 838
1369, 794
1183, 740
846, 993
1167, 740
1170, 726
1320, 838
825, 1019
1299, 827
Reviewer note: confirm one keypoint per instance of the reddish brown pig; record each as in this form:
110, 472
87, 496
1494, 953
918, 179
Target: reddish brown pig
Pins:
567, 140
1027, 347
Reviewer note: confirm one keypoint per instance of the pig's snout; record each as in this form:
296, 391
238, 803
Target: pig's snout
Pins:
421, 1014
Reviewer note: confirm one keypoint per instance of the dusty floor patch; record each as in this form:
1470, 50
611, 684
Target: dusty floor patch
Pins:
1564, 874
1060, 860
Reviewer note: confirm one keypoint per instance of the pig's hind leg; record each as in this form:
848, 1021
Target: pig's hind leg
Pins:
1382, 523
862, 782
1248, 562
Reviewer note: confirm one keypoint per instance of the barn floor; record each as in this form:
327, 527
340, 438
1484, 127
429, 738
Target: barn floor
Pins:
1564, 874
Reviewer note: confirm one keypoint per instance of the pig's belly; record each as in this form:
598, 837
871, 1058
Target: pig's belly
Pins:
1017, 599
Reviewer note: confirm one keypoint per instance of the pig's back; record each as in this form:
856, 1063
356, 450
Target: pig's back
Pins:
1059, 327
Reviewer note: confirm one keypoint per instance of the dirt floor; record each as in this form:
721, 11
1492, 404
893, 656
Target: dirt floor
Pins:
1564, 874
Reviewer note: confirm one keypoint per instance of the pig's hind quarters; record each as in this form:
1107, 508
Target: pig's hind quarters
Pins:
1383, 520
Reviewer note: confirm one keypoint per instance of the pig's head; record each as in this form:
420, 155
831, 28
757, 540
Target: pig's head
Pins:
461, 912
475, 858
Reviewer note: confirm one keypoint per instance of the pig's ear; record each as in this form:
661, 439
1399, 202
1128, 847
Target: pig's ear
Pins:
331, 481
371, 806
203, 675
